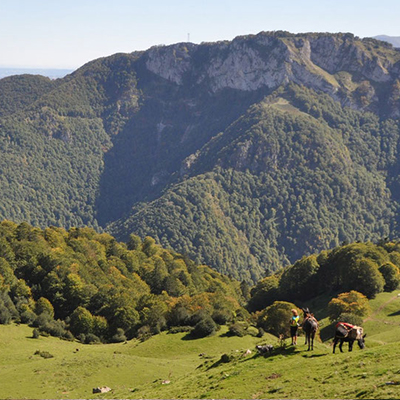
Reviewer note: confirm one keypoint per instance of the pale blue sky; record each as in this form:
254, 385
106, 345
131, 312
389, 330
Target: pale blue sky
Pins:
67, 34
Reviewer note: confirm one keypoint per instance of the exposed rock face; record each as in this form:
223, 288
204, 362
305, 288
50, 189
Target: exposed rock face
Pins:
170, 62
268, 60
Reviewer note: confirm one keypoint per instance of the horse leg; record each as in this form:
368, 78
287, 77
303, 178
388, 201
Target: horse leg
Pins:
350, 345
335, 342
340, 345
312, 340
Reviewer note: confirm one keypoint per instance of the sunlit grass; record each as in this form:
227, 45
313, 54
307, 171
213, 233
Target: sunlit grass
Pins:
171, 366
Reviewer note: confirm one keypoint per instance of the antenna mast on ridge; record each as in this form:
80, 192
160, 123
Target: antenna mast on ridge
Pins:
188, 37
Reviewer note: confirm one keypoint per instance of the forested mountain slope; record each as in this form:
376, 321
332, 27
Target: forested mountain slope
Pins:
244, 154
82, 282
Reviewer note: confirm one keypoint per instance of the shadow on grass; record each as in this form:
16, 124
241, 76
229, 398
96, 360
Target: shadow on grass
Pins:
393, 314
225, 358
311, 355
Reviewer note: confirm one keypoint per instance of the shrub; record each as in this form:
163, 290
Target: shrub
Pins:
91, 339
41, 320
179, 329
54, 328
237, 329
226, 358
350, 319
261, 332
204, 327
27, 317
44, 354
68, 336
119, 336
35, 333
222, 316
144, 333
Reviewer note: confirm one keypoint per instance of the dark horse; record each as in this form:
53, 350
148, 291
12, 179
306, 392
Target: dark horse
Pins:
348, 333
310, 326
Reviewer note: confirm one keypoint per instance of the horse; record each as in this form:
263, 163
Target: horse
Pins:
348, 333
310, 326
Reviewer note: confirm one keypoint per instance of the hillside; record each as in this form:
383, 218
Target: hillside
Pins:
393, 40
290, 373
244, 155
85, 285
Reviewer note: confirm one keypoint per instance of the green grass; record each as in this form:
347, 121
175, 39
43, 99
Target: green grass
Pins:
137, 370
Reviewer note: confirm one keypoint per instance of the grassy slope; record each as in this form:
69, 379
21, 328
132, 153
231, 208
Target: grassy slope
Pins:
136, 370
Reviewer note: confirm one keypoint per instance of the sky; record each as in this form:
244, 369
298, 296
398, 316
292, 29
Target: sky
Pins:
70, 33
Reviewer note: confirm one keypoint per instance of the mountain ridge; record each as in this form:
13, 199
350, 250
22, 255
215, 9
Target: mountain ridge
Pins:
244, 154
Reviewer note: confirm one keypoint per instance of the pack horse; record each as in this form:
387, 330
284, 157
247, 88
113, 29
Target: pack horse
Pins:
345, 332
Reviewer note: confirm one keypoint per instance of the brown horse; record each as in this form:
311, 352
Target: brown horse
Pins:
310, 326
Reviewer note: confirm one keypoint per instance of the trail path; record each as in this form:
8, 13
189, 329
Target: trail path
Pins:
371, 317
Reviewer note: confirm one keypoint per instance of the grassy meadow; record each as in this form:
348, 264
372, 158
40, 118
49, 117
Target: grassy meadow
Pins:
171, 366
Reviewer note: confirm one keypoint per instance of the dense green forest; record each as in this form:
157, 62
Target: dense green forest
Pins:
297, 173
86, 285
242, 166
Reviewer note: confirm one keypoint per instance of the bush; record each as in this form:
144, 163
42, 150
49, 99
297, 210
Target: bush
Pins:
119, 336
222, 316
91, 339
41, 320
261, 332
68, 336
350, 319
179, 329
226, 358
54, 328
237, 330
204, 327
144, 333
27, 317
44, 354
36, 333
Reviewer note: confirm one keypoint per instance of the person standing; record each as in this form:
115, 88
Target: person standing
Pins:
294, 325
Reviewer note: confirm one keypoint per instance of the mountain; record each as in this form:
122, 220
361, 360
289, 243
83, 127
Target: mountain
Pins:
52, 73
244, 155
394, 40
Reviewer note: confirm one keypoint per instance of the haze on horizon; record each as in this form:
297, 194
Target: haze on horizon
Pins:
67, 34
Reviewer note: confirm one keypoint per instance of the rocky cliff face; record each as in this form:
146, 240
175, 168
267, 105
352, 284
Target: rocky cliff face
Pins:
335, 64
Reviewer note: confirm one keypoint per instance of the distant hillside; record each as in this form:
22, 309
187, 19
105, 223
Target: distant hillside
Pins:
243, 155
50, 73
394, 40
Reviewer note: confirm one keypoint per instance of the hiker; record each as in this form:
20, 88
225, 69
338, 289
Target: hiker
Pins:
294, 325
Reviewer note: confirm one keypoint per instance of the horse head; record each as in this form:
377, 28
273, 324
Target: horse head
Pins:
361, 341
306, 312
